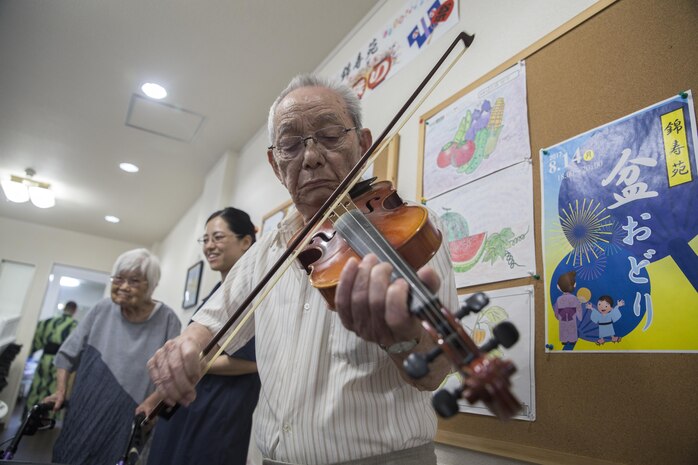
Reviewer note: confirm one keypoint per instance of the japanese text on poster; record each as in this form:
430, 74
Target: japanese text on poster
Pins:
404, 37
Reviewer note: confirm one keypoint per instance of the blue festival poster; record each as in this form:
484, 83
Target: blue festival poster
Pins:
620, 234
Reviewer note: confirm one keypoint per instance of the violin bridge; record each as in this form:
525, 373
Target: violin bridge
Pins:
345, 205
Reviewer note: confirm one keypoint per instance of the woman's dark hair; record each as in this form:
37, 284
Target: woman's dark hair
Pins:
237, 220
567, 281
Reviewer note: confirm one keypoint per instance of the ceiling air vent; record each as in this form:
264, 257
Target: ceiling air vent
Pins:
163, 119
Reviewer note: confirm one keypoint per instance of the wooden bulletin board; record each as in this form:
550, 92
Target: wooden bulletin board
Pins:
638, 408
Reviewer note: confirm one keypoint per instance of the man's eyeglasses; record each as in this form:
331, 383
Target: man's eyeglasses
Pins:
329, 137
132, 282
216, 238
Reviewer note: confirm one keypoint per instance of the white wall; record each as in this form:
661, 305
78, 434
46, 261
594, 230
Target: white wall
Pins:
42, 246
179, 249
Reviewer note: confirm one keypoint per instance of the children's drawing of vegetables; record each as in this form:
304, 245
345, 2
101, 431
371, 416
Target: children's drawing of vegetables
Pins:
475, 139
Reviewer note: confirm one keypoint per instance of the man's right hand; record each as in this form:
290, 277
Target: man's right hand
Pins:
176, 367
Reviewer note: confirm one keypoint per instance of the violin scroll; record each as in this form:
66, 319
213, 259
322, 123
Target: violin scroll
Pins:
485, 378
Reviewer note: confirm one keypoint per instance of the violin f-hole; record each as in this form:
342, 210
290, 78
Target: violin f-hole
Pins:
369, 204
309, 256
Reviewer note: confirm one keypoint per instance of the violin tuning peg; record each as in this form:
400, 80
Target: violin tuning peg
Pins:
478, 301
416, 364
473, 304
446, 403
505, 334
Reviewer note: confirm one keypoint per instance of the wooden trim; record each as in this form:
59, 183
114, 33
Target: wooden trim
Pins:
516, 451
386, 163
420, 160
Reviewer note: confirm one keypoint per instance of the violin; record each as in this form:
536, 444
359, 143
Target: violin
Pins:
407, 229
374, 219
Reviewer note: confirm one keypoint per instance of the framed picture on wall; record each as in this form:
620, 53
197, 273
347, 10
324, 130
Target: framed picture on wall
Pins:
274, 217
192, 284
385, 165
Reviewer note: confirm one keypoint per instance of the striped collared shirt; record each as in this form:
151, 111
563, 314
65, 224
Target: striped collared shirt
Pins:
327, 395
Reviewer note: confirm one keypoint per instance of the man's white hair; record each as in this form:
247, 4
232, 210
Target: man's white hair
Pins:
351, 101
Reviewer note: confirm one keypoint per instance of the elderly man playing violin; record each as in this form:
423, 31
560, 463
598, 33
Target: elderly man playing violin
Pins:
333, 387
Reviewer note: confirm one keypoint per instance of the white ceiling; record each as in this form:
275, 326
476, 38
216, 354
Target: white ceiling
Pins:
69, 68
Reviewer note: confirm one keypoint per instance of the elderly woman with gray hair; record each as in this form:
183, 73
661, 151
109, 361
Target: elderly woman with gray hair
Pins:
108, 351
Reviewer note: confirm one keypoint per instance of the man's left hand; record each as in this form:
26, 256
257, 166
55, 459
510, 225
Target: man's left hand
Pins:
374, 308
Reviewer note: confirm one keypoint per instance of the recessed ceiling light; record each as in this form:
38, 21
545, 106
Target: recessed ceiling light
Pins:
153, 90
128, 167
112, 219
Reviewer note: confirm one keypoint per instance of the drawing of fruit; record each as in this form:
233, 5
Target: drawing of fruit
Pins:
475, 139
479, 155
485, 321
444, 158
463, 127
455, 225
463, 154
492, 139
478, 335
466, 252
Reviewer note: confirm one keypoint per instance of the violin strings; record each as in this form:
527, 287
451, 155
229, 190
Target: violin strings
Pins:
397, 266
407, 272
432, 313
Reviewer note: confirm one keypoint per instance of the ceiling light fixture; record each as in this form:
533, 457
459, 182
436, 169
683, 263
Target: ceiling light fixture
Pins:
67, 281
20, 189
153, 90
129, 167
112, 219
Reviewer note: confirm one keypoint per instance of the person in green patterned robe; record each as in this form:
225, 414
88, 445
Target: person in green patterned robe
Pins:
49, 336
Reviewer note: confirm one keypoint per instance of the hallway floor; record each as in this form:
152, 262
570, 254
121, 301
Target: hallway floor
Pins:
37, 448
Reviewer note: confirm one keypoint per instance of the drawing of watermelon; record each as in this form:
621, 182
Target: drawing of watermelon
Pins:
465, 249
455, 225
466, 252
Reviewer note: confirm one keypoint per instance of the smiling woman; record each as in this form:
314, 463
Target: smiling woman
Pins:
203, 432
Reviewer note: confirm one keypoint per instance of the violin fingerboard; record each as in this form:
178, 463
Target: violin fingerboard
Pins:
365, 239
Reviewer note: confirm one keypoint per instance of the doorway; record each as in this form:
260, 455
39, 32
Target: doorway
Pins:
66, 283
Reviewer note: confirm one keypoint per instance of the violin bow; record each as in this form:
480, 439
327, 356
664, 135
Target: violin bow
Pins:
323, 213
